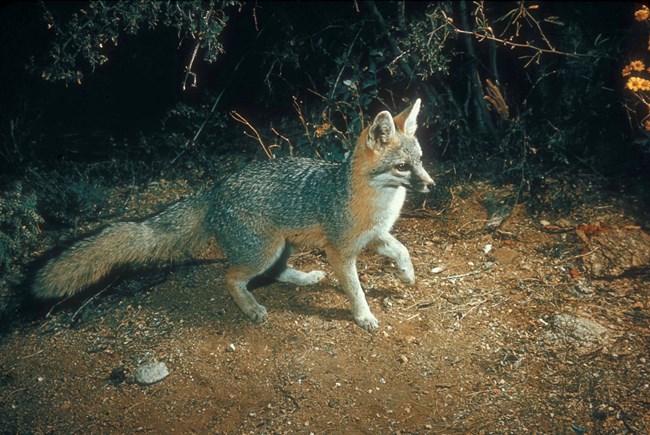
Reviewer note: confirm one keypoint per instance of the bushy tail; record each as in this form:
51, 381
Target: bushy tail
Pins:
177, 230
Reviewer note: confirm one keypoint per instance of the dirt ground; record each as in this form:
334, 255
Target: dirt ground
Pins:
522, 328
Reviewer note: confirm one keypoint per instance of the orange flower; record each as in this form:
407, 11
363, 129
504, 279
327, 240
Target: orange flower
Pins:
637, 65
638, 84
642, 14
626, 71
322, 129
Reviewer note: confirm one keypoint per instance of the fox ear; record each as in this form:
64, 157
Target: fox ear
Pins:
381, 131
406, 121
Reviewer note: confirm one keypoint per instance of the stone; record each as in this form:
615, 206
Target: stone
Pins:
151, 373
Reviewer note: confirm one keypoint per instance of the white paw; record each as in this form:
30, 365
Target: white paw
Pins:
367, 322
407, 275
314, 277
301, 278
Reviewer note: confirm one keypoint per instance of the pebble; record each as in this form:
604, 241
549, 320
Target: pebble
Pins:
230, 348
403, 359
151, 373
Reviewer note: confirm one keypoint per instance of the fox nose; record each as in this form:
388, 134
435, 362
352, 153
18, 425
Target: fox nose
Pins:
427, 182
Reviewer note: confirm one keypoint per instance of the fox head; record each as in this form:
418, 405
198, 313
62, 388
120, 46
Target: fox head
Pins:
395, 152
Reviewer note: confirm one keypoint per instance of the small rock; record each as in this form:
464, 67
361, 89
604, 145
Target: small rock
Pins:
438, 269
487, 248
151, 373
230, 348
544, 223
403, 359
576, 332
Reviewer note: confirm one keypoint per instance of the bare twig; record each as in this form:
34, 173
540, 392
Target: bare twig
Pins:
56, 305
239, 118
564, 260
286, 139
188, 68
462, 275
296, 106
74, 316
482, 37
33, 354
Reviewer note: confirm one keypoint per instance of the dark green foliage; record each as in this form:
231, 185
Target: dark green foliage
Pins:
427, 43
19, 226
67, 197
87, 34
196, 128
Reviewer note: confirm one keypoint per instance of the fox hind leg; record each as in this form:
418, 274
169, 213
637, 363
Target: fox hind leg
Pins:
237, 280
298, 277
282, 273
246, 268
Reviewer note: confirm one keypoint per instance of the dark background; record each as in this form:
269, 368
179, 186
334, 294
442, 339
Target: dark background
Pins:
131, 93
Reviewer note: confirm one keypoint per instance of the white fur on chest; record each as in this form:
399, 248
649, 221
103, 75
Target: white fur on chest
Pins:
386, 209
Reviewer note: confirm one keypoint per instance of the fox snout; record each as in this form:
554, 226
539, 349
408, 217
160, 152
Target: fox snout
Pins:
421, 180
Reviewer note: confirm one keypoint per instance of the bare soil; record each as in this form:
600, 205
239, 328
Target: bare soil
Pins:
506, 331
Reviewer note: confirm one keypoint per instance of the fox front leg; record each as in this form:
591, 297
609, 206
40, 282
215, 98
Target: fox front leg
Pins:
345, 270
390, 247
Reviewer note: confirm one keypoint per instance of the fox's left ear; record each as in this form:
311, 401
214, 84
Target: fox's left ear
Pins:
381, 132
406, 122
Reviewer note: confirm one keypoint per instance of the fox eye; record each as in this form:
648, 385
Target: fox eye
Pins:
402, 167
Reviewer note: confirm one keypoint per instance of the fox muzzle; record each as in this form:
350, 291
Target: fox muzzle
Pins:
421, 180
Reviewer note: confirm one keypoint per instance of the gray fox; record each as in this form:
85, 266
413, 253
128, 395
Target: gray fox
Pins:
260, 213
